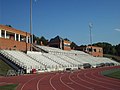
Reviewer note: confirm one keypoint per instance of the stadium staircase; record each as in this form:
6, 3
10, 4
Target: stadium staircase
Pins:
35, 48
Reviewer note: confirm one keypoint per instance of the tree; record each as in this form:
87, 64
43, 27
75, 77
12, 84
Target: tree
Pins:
39, 40
9, 25
114, 51
44, 41
36, 39
117, 47
73, 45
66, 39
107, 47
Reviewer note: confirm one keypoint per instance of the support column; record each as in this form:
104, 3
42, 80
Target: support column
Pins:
26, 39
5, 34
0, 33
15, 37
19, 37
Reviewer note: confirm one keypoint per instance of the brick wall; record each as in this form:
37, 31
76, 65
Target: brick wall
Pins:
13, 45
67, 48
98, 51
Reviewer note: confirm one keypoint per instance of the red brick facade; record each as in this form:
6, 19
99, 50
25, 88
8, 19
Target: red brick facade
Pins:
67, 45
13, 45
13, 39
95, 51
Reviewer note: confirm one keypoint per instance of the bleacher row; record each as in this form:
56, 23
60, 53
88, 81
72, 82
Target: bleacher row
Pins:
55, 60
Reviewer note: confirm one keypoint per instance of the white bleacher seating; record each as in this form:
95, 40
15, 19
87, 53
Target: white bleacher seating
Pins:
53, 59
58, 60
75, 56
27, 62
41, 58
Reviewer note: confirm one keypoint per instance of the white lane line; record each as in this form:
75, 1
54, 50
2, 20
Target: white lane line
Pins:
51, 82
80, 84
97, 81
18, 86
5, 83
104, 80
28, 82
2, 82
88, 81
39, 81
64, 83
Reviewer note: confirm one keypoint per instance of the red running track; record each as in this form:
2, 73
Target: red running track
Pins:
88, 79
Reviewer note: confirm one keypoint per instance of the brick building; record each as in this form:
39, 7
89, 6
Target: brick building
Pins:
94, 50
13, 39
59, 42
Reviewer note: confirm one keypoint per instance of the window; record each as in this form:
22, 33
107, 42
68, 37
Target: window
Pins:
99, 50
94, 50
2, 33
89, 49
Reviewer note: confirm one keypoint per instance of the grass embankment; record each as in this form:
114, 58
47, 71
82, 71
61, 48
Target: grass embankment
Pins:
8, 87
116, 58
114, 73
4, 68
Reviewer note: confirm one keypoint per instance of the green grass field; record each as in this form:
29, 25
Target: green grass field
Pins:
8, 87
114, 73
4, 68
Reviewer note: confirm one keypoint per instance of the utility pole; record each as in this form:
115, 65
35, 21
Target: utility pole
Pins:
31, 38
90, 28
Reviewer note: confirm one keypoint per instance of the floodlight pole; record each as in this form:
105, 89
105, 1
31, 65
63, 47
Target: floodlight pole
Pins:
31, 38
90, 28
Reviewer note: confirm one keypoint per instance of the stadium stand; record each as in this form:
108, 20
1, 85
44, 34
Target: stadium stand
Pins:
78, 57
50, 64
62, 62
23, 60
54, 59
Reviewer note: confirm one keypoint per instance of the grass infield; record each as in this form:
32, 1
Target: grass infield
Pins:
8, 87
114, 73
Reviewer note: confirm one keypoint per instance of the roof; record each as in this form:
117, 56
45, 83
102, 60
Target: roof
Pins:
13, 30
95, 47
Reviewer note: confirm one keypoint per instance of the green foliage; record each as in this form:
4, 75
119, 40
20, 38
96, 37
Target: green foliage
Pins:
66, 39
9, 25
8, 87
45, 41
40, 39
118, 49
108, 48
73, 45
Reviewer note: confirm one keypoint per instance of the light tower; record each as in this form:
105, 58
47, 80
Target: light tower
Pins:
90, 28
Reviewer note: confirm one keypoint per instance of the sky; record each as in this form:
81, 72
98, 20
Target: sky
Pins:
66, 18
